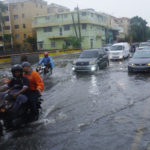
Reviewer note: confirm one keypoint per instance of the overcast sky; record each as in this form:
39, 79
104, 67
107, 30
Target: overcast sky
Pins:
119, 8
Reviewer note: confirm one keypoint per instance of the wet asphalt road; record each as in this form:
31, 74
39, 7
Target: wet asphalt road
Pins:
108, 110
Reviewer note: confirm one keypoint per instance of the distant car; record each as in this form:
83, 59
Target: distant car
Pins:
143, 45
119, 51
140, 61
91, 60
107, 47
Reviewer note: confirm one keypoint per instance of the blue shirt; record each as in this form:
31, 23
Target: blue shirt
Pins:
47, 61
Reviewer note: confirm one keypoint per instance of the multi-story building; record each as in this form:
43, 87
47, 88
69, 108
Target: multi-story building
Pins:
52, 29
125, 23
54, 8
18, 20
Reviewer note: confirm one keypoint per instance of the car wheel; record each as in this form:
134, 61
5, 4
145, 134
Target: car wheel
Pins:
129, 69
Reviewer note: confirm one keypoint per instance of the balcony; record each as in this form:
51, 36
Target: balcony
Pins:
41, 22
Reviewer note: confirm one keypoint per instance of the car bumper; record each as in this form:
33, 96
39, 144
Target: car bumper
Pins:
88, 68
115, 57
139, 69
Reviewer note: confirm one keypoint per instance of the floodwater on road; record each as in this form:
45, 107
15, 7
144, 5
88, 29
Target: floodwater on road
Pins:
108, 110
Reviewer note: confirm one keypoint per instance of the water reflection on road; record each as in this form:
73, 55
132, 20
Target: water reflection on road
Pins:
108, 110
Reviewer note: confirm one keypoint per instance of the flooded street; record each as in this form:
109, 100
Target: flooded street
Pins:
108, 110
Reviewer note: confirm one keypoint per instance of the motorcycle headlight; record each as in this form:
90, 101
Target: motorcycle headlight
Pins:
74, 62
92, 62
148, 64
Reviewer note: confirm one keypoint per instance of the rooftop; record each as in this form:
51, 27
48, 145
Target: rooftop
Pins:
52, 5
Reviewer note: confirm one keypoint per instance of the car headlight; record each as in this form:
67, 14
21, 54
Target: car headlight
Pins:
74, 62
92, 62
131, 64
148, 64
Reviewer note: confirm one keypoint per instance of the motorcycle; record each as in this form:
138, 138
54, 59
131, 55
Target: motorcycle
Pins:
12, 119
43, 70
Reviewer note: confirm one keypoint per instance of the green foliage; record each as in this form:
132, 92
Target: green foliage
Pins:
64, 46
141, 31
127, 38
2, 10
30, 40
7, 38
75, 41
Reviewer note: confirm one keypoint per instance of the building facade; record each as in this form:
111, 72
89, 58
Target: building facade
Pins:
53, 29
18, 22
126, 24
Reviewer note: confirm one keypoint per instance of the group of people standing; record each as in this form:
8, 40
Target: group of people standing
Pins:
30, 85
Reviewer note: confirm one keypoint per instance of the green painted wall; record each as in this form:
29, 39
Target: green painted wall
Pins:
92, 31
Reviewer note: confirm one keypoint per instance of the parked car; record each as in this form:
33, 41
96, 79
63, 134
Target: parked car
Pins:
119, 51
91, 60
140, 61
143, 45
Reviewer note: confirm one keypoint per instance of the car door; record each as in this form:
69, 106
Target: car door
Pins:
105, 57
101, 58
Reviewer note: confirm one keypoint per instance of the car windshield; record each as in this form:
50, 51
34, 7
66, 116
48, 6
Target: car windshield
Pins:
89, 54
141, 54
143, 45
116, 48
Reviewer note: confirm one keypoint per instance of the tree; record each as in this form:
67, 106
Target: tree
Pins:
139, 26
74, 41
7, 38
32, 41
2, 10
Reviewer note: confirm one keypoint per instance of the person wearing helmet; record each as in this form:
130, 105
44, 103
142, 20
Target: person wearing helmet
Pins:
20, 92
47, 61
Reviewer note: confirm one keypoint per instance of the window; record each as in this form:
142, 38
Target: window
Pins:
83, 26
24, 26
25, 45
16, 26
22, 5
103, 28
37, 14
47, 18
65, 15
6, 18
18, 46
97, 16
24, 35
17, 36
6, 8
1, 38
67, 27
91, 15
83, 13
67, 43
40, 45
47, 29
41, 6
15, 16
52, 44
37, 5
15, 7
6, 27
57, 16
23, 15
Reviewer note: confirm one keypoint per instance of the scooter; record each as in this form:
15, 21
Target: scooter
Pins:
12, 119
43, 70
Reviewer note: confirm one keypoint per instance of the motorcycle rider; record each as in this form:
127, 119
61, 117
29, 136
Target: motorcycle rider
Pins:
20, 93
36, 86
47, 60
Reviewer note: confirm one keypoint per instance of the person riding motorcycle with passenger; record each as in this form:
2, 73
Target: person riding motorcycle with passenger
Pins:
21, 91
36, 86
48, 62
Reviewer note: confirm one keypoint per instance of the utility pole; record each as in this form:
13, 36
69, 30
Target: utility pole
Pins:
74, 25
132, 34
79, 25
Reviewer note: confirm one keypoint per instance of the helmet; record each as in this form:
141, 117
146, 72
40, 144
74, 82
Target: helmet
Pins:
15, 68
46, 54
